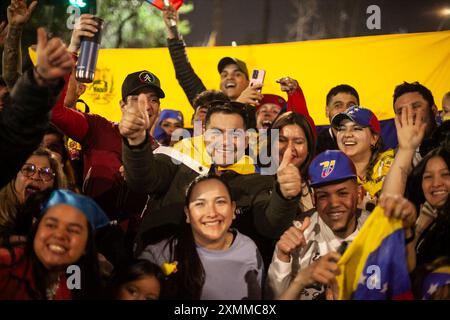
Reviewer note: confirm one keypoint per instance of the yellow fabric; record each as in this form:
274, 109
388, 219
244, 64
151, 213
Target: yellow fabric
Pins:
374, 65
376, 228
380, 170
195, 148
444, 269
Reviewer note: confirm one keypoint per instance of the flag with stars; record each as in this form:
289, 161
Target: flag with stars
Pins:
434, 280
374, 265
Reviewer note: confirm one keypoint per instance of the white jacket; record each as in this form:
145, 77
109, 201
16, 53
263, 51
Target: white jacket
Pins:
320, 240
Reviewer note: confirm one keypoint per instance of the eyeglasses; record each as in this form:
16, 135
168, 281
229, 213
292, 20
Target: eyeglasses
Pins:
29, 169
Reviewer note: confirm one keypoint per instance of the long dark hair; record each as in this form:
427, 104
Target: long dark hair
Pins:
414, 189
88, 263
187, 282
375, 152
293, 118
435, 240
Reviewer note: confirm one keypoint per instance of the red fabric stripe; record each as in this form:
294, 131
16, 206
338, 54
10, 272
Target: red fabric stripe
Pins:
404, 296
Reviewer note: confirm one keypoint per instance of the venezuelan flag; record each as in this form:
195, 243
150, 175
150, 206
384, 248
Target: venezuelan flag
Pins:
160, 3
374, 265
436, 279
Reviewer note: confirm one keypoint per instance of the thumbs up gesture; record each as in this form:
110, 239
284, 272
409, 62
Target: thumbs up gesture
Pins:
291, 240
135, 120
53, 60
288, 176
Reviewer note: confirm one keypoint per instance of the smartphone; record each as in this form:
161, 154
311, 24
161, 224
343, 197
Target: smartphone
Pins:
257, 77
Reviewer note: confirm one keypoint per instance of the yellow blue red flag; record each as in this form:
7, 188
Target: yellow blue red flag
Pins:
434, 280
374, 266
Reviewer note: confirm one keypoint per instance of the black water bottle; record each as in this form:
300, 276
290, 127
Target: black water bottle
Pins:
87, 60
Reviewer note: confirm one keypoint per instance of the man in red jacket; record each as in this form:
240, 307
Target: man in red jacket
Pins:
101, 140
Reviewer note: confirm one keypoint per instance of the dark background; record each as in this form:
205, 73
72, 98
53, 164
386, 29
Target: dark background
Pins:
269, 21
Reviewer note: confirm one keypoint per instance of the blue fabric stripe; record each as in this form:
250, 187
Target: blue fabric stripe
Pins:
385, 271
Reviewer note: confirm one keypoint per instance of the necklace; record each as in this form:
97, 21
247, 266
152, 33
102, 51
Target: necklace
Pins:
51, 290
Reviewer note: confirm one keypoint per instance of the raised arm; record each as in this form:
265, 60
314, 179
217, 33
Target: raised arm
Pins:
281, 207
186, 76
18, 16
144, 172
24, 121
296, 99
410, 133
72, 122
398, 207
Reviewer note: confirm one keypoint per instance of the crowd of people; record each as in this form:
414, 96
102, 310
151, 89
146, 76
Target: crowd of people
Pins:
254, 203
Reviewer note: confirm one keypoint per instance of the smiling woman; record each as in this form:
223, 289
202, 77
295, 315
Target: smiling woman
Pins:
428, 187
213, 260
359, 138
62, 236
39, 173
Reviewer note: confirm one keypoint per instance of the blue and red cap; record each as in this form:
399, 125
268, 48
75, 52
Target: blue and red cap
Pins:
363, 117
329, 167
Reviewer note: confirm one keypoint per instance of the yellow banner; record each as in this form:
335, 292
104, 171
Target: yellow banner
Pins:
374, 65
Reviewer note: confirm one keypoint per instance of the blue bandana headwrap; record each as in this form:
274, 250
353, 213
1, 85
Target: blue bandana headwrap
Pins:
94, 214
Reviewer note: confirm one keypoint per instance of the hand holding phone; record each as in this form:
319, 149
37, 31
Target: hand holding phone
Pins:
257, 78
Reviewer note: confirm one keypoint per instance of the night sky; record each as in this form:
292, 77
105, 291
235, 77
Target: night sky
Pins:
243, 20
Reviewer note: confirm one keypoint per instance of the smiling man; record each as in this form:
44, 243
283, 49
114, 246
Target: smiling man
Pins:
335, 223
337, 219
339, 99
421, 101
234, 79
264, 208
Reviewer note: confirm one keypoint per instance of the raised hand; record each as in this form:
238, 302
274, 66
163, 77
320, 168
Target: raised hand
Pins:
135, 120
85, 26
288, 176
288, 84
251, 95
170, 15
19, 13
53, 60
410, 129
291, 240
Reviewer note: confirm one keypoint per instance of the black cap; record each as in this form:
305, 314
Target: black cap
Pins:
138, 80
229, 60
